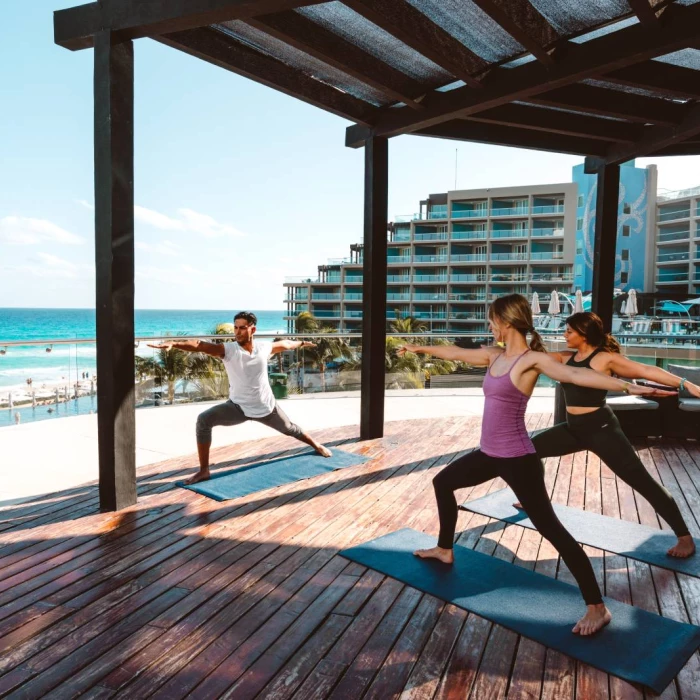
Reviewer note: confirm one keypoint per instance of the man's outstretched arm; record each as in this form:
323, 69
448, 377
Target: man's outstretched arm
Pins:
213, 349
281, 345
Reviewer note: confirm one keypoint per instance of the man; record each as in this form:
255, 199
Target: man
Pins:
250, 395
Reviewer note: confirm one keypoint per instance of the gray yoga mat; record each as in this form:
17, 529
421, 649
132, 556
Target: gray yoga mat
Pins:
631, 540
257, 477
637, 646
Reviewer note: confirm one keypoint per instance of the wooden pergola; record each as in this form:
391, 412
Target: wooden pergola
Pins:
607, 79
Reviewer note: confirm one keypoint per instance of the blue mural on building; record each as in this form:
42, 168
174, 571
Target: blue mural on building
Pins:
631, 253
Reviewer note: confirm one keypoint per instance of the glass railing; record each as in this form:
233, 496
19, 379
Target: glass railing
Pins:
398, 278
547, 255
469, 213
328, 314
399, 297
430, 278
352, 314
510, 211
429, 315
548, 209
665, 215
467, 297
509, 256
513, 233
467, 278
430, 258
673, 236
468, 235
502, 277
550, 277
353, 296
546, 232
436, 213
399, 260
671, 257
430, 297
430, 236
325, 297
332, 279
469, 257
353, 280
675, 277
400, 237
468, 315
66, 383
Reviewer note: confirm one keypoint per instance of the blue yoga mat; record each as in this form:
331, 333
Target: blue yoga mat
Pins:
637, 646
257, 477
611, 534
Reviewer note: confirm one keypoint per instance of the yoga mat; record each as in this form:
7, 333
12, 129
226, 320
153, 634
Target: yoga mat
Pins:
637, 646
631, 540
257, 477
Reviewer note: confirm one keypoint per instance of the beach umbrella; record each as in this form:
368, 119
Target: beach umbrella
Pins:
33, 399
92, 387
631, 305
554, 307
9, 401
535, 304
56, 394
578, 302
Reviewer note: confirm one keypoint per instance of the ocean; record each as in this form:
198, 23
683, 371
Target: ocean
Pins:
70, 362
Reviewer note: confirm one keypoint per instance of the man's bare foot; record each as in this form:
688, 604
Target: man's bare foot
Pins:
518, 505
684, 548
201, 475
323, 451
446, 556
596, 617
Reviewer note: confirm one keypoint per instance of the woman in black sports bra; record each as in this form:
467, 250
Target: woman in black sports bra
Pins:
591, 425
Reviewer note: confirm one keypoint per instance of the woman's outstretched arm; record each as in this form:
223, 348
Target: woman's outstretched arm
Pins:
624, 367
473, 356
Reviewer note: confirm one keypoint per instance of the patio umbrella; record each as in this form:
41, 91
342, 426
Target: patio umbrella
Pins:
9, 401
535, 304
578, 302
33, 399
56, 394
631, 305
554, 308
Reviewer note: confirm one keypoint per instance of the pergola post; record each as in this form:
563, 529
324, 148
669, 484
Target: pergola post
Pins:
114, 267
605, 241
374, 287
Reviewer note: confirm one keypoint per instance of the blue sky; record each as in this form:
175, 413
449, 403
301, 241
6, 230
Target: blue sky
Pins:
236, 185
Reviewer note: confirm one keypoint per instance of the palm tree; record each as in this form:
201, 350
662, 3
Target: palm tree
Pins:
408, 325
327, 350
306, 323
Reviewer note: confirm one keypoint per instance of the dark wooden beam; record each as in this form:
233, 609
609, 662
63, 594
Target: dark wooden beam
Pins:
374, 271
662, 78
657, 139
605, 242
525, 24
114, 268
496, 134
625, 47
646, 10
313, 39
216, 47
75, 27
556, 122
612, 103
413, 28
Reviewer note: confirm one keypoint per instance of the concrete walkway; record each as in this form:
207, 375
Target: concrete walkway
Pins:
48, 456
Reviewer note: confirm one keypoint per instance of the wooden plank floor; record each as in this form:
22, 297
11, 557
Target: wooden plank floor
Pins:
181, 596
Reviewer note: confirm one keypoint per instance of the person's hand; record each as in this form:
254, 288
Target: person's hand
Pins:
403, 349
160, 346
307, 344
649, 391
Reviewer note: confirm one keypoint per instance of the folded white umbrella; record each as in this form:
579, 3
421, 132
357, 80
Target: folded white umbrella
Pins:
554, 308
535, 304
578, 302
631, 305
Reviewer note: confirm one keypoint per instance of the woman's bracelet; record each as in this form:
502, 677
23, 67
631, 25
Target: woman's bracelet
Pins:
681, 386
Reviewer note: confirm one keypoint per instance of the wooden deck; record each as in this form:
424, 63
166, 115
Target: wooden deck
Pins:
181, 596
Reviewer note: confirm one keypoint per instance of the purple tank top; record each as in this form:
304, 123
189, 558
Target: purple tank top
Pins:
503, 432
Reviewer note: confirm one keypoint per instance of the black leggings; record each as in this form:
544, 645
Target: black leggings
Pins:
525, 475
600, 433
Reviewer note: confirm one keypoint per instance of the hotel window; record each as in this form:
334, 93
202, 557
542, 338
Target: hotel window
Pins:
625, 230
625, 254
623, 277
579, 247
626, 208
579, 270
579, 224
580, 200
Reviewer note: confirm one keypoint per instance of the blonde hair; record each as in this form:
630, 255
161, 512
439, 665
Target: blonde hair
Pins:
515, 310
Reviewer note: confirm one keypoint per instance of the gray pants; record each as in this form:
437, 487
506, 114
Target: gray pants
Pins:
230, 413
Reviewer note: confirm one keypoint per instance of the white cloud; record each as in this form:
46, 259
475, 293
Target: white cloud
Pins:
165, 248
47, 266
180, 275
189, 220
22, 230
157, 220
85, 203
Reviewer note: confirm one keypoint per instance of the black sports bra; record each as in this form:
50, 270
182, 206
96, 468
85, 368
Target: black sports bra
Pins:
576, 395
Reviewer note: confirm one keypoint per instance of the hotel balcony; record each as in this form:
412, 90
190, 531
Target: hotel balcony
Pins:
468, 235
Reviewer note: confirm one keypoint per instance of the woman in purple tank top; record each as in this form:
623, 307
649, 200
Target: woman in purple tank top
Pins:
506, 450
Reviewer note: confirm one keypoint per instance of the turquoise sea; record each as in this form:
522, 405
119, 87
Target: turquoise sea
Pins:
67, 363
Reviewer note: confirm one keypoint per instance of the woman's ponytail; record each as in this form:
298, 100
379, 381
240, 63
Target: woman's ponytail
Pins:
536, 343
610, 343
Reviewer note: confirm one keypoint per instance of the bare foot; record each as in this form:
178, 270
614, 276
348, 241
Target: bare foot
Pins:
201, 475
685, 547
446, 556
596, 617
323, 451
518, 505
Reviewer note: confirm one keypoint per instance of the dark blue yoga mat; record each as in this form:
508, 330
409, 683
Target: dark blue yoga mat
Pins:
611, 534
257, 477
637, 646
